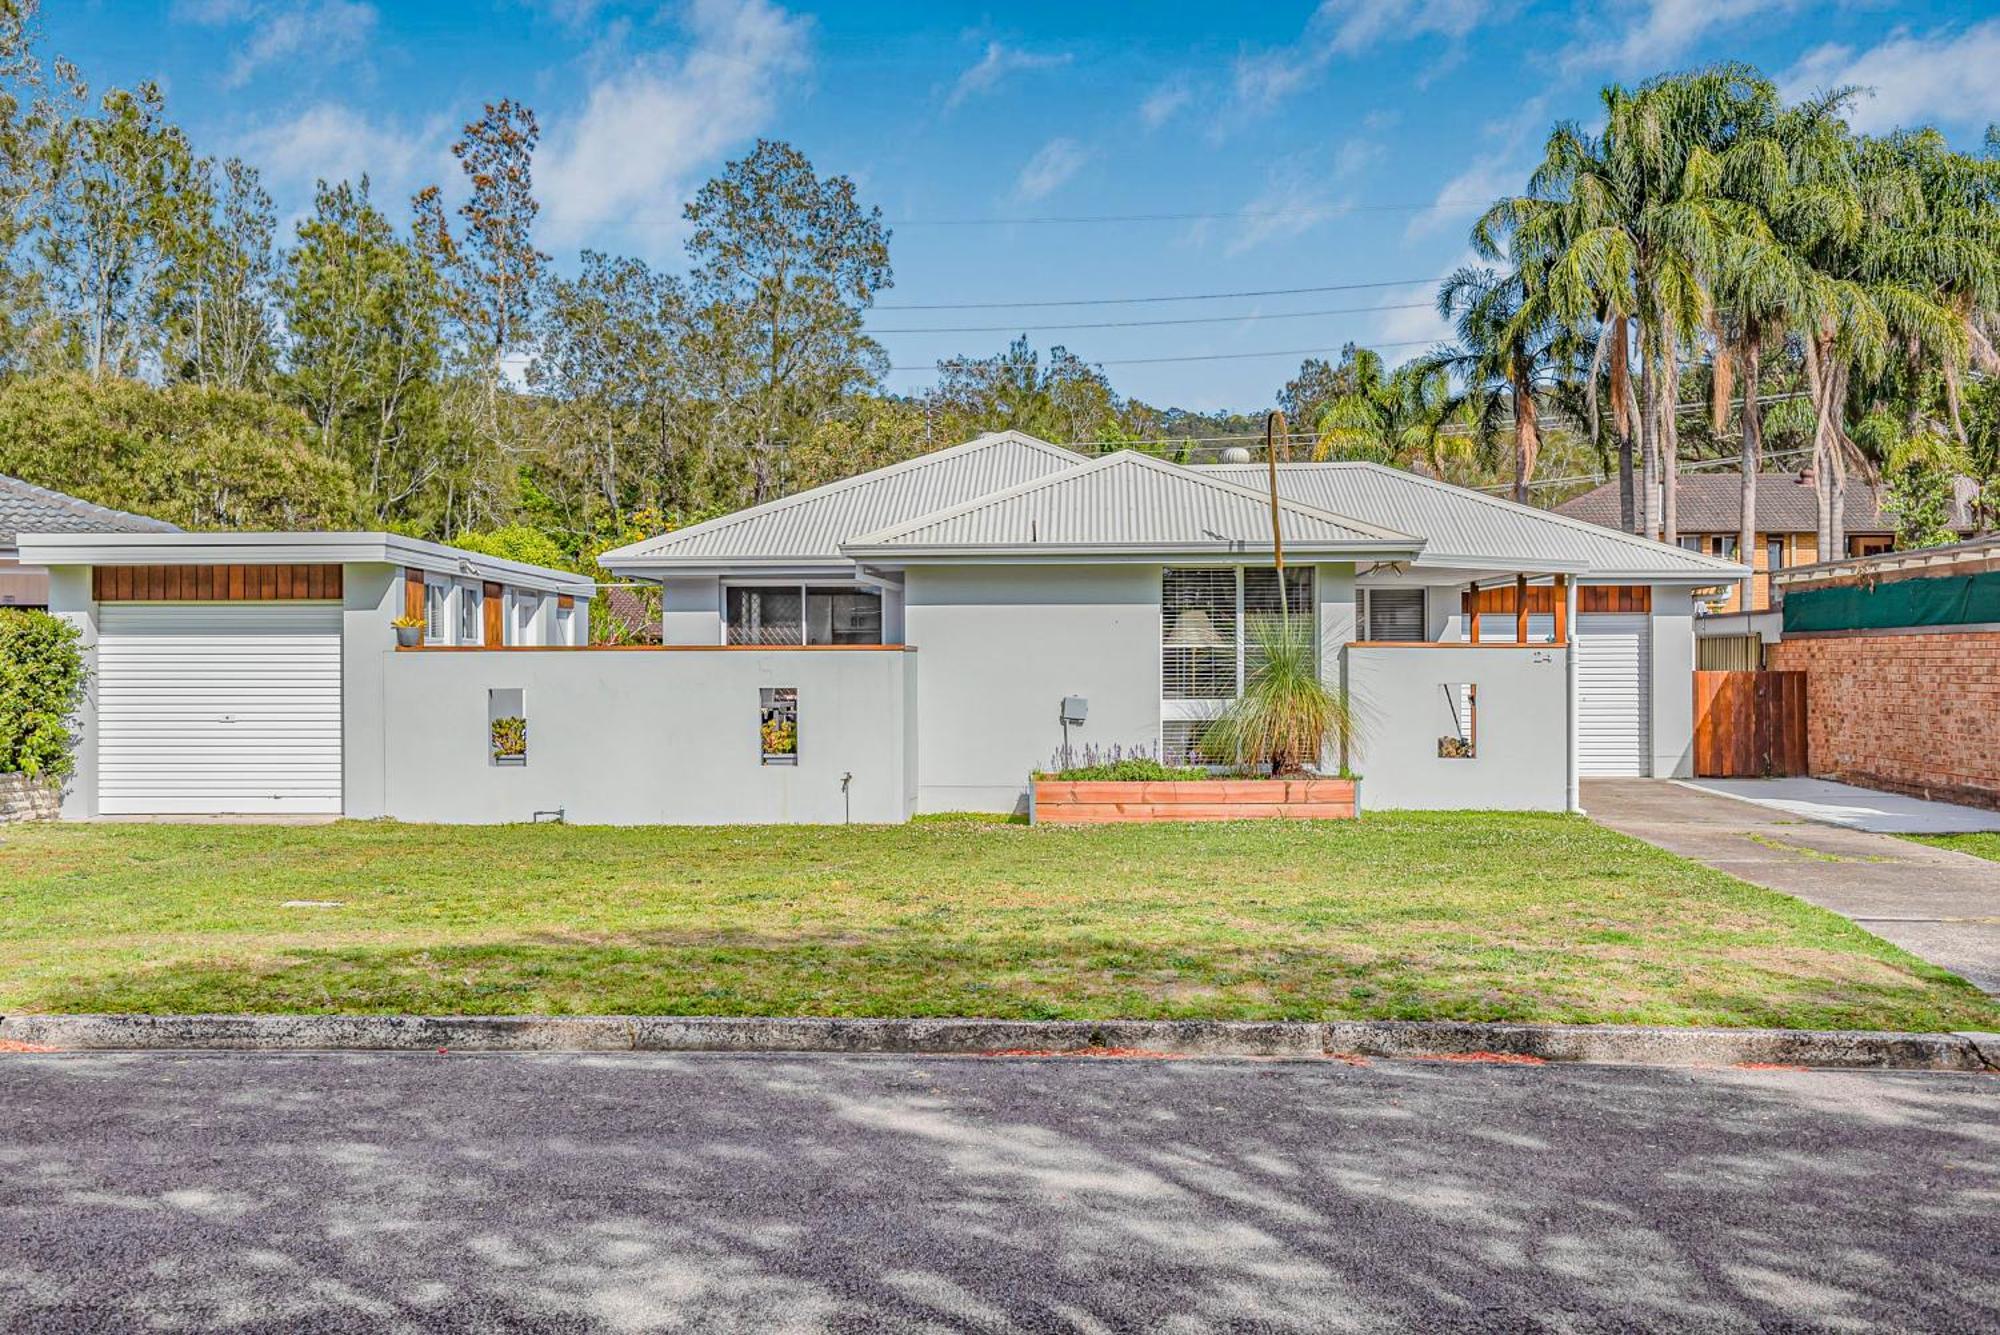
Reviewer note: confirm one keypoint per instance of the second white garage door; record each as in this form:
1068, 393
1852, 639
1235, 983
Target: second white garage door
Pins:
1613, 685
218, 708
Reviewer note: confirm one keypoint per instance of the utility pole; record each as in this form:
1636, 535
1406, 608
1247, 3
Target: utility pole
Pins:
1274, 427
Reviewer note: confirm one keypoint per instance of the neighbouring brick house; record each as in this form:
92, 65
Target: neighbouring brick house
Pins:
1901, 653
1709, 511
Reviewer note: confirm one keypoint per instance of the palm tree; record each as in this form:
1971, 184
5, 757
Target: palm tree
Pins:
1404, 418
1624, 230
1510, 344
1764, 287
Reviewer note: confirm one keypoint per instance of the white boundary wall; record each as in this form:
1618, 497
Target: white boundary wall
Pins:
1402, 707
648, 736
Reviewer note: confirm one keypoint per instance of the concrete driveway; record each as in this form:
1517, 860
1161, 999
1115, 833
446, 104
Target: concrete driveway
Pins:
1939, 905
706, 1193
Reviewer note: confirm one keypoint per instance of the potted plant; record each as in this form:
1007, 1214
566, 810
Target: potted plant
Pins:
409, 631
510, 741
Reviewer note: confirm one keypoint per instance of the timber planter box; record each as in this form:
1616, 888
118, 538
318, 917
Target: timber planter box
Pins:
1067, 802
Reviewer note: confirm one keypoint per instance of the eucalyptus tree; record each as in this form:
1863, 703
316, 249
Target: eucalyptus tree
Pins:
784, 264
362, 311
606, 367
122, 184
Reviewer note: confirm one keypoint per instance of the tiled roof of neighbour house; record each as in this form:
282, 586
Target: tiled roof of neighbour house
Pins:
1128, 504
1712, 503
27, 508
810, 526
1469, 528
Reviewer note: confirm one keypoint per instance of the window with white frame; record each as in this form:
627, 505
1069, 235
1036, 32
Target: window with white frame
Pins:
471, 614
437, 611
565, 623
1393, 614
803, 614
1209, 618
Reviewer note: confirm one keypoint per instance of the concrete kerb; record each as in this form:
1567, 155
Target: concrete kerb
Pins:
1608, 1044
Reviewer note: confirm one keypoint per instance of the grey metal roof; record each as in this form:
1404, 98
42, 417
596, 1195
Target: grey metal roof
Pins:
1469, 528
1127, 503
27, 508
810, 526
1713, 503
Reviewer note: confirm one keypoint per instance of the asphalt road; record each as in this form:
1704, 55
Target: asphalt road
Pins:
712, 1193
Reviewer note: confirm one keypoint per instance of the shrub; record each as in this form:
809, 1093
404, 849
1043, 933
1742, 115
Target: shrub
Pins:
1136, 769
41, 682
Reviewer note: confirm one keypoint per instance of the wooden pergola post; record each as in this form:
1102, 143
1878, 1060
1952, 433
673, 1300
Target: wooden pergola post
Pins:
1520, 609
1562, 609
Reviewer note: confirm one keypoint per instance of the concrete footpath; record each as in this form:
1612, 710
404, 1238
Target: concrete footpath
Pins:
1941, 906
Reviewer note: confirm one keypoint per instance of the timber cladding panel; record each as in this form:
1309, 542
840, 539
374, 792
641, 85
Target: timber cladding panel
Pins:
1542, 599
1907, 712
215, 584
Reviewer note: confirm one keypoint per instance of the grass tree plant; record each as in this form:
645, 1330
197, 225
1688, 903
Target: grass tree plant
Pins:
1287, 717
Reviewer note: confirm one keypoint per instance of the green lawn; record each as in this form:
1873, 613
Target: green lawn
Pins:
1398, 915
1983, 845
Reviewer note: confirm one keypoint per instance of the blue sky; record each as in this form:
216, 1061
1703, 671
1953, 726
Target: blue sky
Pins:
1211, 148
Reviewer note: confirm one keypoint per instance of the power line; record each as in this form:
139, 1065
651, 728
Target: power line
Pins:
1204, 357
1323, 211
1154, 324
1139, 301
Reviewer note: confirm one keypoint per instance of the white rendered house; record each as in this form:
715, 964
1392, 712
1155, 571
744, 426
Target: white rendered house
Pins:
896, 642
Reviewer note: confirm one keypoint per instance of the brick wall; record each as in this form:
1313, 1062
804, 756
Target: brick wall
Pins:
1911, 713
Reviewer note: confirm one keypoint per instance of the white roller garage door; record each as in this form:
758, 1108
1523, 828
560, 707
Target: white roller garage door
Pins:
1614, 693
1613, 685
218, 708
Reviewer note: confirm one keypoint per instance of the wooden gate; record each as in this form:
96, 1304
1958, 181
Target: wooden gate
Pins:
1749, 725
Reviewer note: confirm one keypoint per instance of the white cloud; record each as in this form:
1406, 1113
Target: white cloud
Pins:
1664, 31
331, 142
994, 67
1355, 154
1052, 166
1293, 204
1911, 80
1466, 195
1350, 28
321, 32
652, 119
1163, 103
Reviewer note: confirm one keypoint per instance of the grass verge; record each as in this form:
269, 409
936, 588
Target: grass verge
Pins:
1402, 915
1982, 845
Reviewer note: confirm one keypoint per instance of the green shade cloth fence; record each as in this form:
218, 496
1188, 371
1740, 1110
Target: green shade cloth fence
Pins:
1957, 600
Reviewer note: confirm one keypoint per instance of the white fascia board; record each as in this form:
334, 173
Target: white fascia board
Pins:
1695, 579
1487, 564
1127, 553
747, 567
95, 549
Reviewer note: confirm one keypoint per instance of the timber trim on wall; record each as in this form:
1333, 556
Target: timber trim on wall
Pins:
215, 584
493, 612
413, 593
1542, 599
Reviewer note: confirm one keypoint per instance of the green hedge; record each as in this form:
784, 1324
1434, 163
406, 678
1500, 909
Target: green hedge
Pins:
41, 682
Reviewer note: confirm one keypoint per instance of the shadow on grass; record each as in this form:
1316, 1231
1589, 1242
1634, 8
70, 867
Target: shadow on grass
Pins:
669, 973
